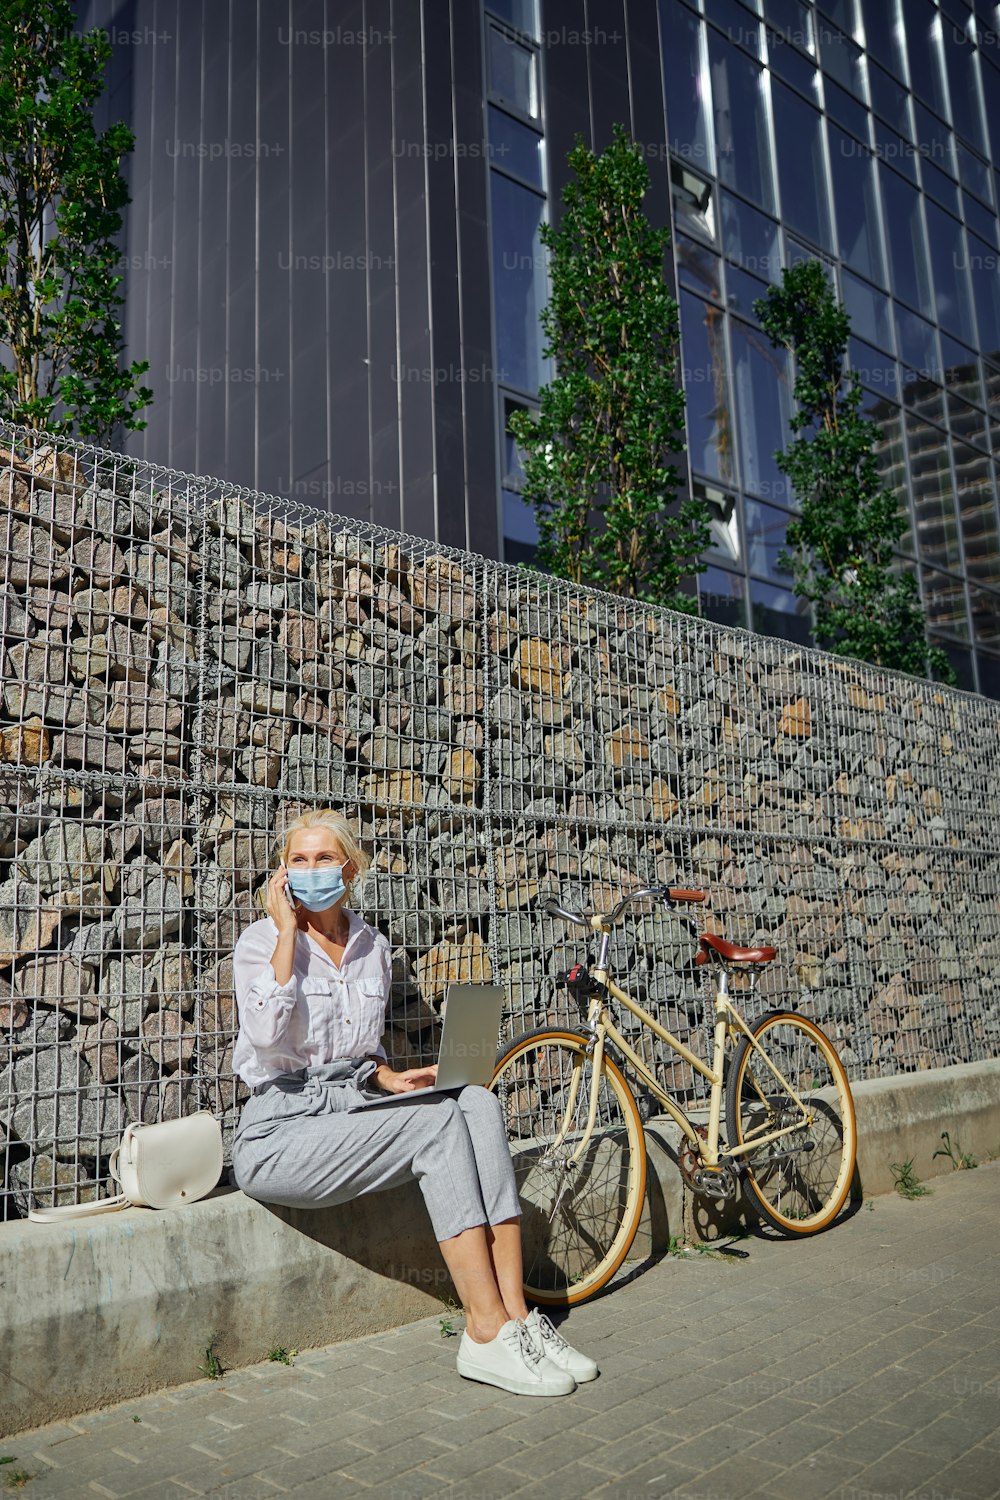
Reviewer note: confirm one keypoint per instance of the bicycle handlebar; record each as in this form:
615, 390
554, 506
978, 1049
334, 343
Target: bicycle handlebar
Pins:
671, 895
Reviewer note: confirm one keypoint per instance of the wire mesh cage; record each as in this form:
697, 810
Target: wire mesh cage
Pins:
186, 666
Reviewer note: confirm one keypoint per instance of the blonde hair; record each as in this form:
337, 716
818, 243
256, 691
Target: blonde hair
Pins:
327, 817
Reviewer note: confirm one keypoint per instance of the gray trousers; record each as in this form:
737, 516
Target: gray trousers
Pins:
297, 1145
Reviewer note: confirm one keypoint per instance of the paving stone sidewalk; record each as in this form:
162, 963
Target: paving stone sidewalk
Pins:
864, 1363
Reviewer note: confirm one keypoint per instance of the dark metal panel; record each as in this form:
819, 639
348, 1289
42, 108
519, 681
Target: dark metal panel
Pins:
381, 244
608, 66
567, 89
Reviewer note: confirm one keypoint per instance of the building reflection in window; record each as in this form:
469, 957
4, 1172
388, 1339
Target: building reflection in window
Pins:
706, 388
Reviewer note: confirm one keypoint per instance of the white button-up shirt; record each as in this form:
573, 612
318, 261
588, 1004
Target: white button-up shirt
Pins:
323, 1012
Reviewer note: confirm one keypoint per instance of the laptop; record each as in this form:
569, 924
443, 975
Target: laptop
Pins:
468, 1043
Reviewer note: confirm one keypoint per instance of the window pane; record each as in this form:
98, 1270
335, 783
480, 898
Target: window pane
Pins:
737, 24
962, 60
985, 607
933, 501
950, 263
684, 77
519, 523
521, 14
978, 514
923, 397
961, 660
516, 147
857, 206
989, 666
967, 422
937, 144
873, 368
790, 64
798, 130
981, 220
891, 147
944, 603
720, 597
890, 457
518, 282
923, 43
992, 378
512, 72
706, 386
766, 527
939, 186
741, 141
884, 34
751, 238
961, 370
984, 268
909, 276
792, 19
778, 612
698, 268
724, 524
743, 290
975, 174
868, 310
917, 344
842, 59
512, 474
889, 98
760, 379
845, 109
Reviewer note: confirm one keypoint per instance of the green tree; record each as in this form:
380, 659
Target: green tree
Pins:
61, 197
597, 454
841, 547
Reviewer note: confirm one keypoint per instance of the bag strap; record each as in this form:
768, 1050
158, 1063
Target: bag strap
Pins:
80, 1210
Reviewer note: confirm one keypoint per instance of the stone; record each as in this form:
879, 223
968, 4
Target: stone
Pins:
151, 908
453, 963
168, 1039
31, 554
537, 669
461, 779
27, 743
796, 719
441, 586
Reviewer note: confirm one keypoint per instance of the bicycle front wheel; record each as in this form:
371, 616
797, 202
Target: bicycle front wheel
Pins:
580, 1208
798, 1181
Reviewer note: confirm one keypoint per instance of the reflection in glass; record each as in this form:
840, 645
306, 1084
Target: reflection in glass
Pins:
698, 268
992, 379
709, 422
512, 72
967, 422
868, 310
512, 476
721, 598
798, 130
917, 343
519, 282
982, 220
989, 671
950, 262
686, 87
985, 607
856, 199
842, 59
750, 237
792, 19
692, 199
961, 661
743, 290
978, 513
762, 400
963, 75
923, 397
889, 99
984, 265
723, 523
740, 115
790, 65
516, 147
936, 141
778, 612
975, 174
884, 34
891, 147
923, 43
944, 603
909, 276
735, 22
765, 528
961, 370
938, 186
890, 457
845, 109
933, 500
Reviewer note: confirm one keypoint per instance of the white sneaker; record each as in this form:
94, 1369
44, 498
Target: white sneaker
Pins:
514, 1361
550, 1341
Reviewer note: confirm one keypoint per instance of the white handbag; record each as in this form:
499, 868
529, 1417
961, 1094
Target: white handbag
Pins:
156, 1166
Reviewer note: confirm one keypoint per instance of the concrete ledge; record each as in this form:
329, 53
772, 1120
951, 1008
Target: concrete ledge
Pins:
99, 1310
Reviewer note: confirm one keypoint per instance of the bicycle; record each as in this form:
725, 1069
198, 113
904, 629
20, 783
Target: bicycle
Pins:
576, 1132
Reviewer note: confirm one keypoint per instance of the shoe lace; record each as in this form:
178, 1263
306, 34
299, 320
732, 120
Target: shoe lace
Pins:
520, 1335
549, 1332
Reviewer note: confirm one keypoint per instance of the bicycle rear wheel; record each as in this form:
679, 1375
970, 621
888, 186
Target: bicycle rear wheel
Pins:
578, 1219
799, 1182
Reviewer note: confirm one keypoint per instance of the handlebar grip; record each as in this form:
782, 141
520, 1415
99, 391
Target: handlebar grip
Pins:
683, 895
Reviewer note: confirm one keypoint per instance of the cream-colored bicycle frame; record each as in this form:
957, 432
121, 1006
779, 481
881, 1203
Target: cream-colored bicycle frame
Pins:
728, 1024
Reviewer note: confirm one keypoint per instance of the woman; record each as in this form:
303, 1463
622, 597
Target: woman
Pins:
312, 983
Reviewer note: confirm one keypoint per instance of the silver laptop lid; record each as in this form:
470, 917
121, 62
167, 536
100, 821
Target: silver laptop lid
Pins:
470, 1036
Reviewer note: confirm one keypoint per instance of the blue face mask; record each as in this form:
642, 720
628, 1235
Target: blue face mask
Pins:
317, 889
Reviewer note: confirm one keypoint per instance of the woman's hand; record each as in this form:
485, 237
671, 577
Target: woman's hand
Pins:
405, 1082
279, 909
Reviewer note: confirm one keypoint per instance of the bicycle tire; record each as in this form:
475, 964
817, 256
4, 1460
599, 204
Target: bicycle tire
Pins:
576, 1226
797, 1184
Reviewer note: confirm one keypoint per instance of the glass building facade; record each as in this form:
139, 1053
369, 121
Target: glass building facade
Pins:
333, 262
865, 134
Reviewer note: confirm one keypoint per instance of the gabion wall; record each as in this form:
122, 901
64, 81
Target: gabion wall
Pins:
186, 666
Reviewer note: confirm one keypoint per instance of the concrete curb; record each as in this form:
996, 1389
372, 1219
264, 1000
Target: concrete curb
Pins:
99, 1310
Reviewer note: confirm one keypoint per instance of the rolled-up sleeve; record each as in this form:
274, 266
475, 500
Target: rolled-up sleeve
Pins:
265, 1006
